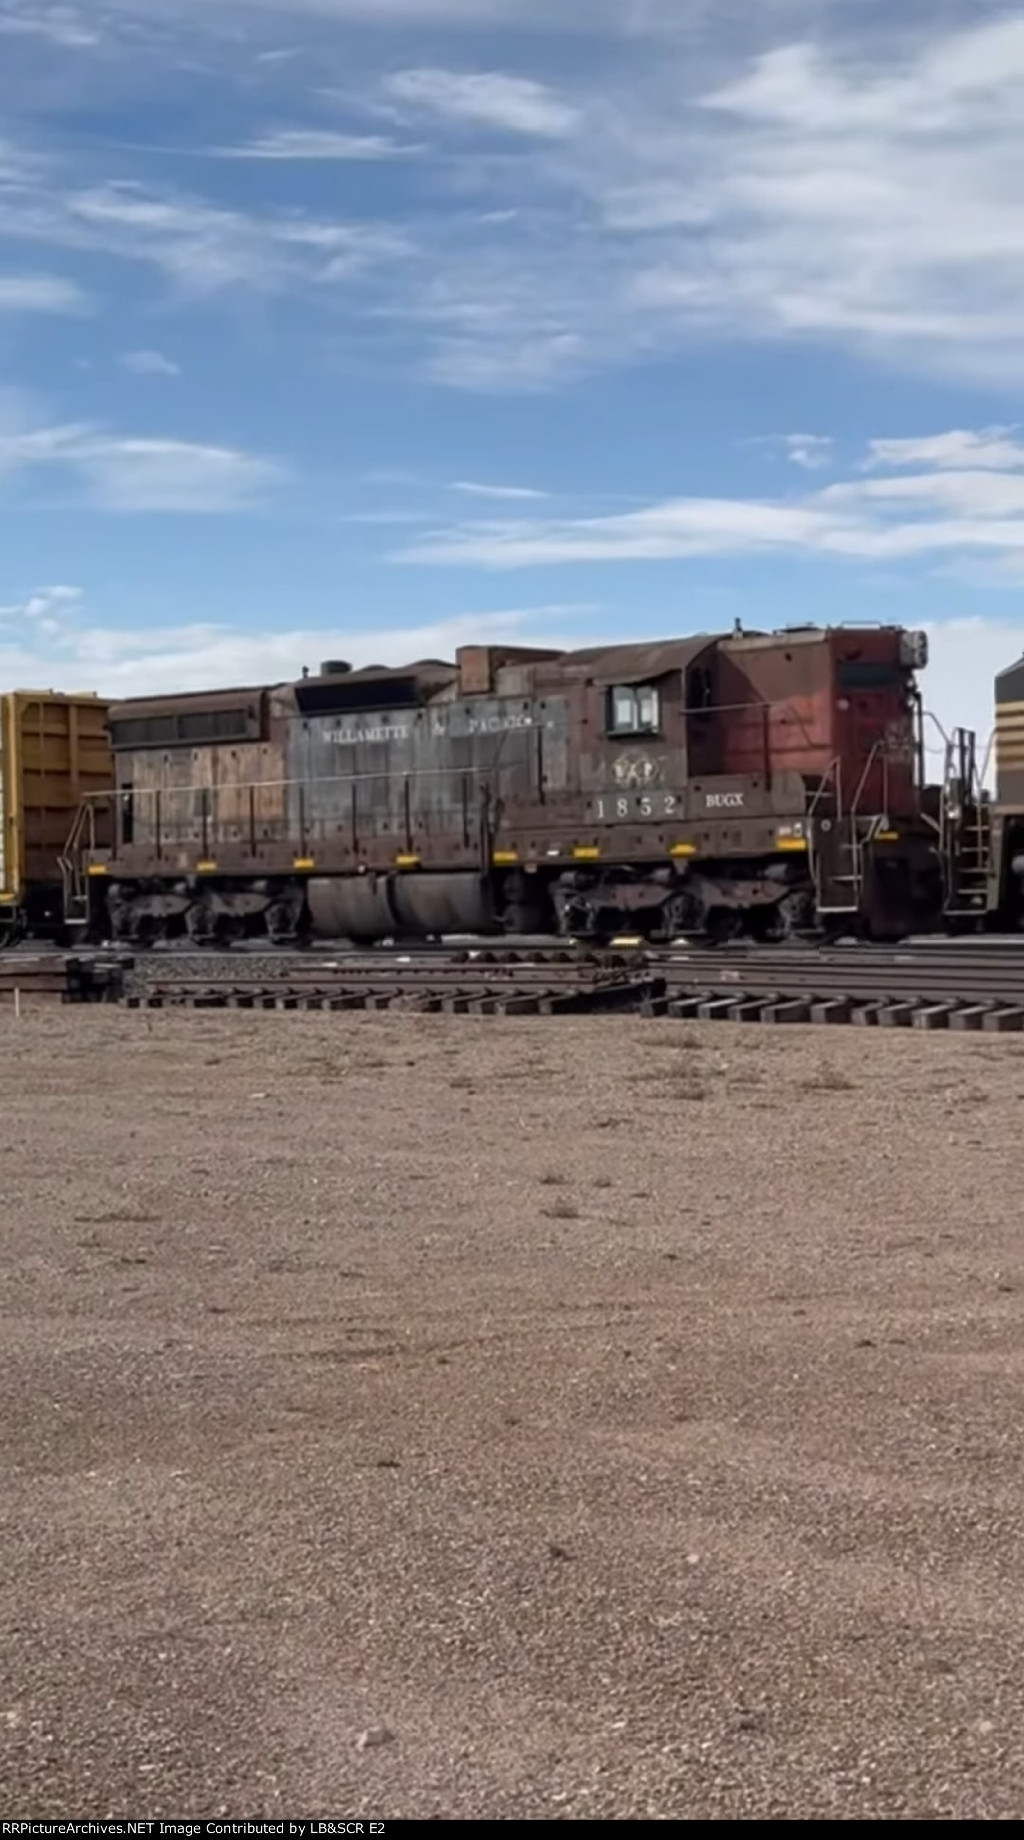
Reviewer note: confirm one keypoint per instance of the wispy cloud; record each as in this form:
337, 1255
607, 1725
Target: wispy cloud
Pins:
314, 144
486, 99
127, 473
204, 248
386, 15
474, 489
45, 610
50, 635
865, 199
860, 192
66, 27
384, 518
150, 364
810, 451
200, 247
941, 512
960, 449
61, 644
846, 184
41, 294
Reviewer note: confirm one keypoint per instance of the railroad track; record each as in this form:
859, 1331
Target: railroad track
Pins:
928, 985
956, 987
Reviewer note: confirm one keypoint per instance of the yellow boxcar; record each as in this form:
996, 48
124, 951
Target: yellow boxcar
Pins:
54, 751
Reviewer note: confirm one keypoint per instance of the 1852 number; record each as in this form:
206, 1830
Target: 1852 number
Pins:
613, 807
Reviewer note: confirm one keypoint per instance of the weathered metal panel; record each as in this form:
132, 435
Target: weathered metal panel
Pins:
786, 707
187, 800
636, 664
499, 670
411, 779
776, 708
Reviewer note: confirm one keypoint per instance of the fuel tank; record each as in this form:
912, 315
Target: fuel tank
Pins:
407, 906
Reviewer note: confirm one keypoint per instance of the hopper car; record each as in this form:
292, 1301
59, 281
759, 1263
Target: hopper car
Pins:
54, 754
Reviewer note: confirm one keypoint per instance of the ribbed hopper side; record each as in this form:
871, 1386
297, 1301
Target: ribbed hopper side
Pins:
1010, 736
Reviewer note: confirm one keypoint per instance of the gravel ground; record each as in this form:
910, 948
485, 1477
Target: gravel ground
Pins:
422, 1417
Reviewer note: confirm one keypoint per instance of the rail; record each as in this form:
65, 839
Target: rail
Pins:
934, 986
931, 984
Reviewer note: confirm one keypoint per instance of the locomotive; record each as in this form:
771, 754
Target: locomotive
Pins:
770, 784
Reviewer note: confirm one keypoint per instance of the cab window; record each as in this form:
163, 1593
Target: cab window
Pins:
855, 674
633, 709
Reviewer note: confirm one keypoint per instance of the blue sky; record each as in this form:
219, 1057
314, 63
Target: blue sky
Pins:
370, 327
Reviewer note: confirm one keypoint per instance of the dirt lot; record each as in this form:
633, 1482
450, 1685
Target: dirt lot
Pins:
440, 1417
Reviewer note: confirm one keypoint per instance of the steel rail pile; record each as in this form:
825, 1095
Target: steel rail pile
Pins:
41, 977
507, 983
933, 986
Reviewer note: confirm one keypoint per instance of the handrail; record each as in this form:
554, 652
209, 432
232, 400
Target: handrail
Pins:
70, 861
833, 778
876, 753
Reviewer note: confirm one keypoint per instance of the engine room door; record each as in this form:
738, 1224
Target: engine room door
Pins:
703, 724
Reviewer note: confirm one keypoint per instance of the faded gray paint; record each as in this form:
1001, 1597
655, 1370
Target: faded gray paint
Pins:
423, 775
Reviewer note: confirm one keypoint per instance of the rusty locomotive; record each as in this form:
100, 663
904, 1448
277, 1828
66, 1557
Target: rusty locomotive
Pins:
770, 784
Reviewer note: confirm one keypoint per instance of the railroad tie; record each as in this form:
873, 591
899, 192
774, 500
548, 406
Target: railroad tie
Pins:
971, 1018
1003, 1021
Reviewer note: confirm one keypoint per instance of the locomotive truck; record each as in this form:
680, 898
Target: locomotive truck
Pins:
771, 784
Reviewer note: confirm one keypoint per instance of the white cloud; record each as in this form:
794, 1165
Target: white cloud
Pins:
204, 247
473, 489
959, 449
45, 605
41, 294
121, 473
497, 363
50, 637
150, 364
675, 528
384, 518
934, 514
183, 476
384, 14
853, 182
810, 451
488, 99
64, 26
867, 197
967, 494
315, 144
200, 247
116, 661
965, 657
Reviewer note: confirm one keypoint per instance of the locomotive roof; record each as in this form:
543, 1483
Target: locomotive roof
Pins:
187, 700
605, 664
430, 668
1010, 683
650, 658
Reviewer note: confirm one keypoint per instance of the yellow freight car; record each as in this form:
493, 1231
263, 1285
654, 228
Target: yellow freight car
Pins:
54, 750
